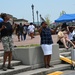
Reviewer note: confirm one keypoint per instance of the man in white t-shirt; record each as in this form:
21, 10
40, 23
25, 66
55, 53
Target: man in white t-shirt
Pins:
31, 29
72, 34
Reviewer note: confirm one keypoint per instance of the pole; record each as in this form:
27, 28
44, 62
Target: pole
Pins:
37, 18
40, 18
33, 12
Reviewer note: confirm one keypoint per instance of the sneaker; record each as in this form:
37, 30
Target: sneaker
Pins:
4, 68
10, 67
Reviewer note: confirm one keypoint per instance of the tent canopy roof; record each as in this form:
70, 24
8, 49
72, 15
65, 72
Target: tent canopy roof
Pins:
66, 17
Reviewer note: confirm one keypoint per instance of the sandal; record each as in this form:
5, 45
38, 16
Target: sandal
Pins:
50, 65
67, 48
46, 66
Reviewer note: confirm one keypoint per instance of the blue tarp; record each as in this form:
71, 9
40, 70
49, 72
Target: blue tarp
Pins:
66, 18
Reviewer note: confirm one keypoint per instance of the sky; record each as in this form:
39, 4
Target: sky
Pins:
22, 8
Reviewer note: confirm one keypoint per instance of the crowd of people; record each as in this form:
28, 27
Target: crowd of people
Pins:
22, 30
66, 34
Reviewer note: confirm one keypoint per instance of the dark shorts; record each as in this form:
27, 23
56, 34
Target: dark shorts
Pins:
59, 42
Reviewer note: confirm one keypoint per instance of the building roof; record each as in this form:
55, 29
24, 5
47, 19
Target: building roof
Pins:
21, 20
36, 23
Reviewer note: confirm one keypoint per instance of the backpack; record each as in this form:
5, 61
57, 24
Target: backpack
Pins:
24, 30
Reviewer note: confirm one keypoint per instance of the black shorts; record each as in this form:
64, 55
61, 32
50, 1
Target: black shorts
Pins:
59, 42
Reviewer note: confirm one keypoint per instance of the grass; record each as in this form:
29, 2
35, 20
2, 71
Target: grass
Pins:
32, 45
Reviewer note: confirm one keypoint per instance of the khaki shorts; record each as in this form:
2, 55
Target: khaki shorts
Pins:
7, 43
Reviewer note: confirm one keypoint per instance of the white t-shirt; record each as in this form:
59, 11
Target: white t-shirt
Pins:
71, 35
31, 28
73, 32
